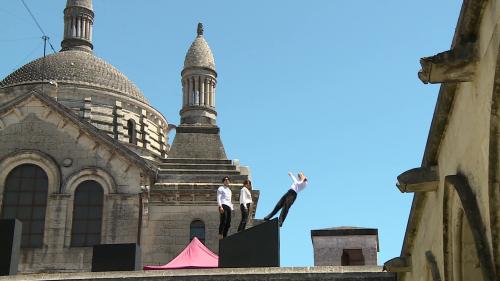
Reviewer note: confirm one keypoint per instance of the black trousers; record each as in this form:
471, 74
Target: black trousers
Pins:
284, 203
225, 220
244, 216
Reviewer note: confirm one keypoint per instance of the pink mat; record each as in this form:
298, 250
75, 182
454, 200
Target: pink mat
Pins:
196, 255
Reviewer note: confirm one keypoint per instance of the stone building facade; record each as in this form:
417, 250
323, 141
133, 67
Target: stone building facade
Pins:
85, 159
453, 231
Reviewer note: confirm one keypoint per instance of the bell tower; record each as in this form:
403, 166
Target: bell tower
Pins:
78, 23
197, 136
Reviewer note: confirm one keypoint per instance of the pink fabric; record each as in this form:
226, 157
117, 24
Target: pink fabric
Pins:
196, 255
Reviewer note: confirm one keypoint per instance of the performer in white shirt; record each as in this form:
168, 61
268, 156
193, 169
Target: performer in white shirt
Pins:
287, 200
225, 207
245, 203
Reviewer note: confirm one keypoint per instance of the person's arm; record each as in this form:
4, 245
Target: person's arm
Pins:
242, 196
293, 177
249, 194
219, 200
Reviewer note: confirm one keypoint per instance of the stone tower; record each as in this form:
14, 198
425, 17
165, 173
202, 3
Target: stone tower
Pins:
78, 22
184, 194
198, 135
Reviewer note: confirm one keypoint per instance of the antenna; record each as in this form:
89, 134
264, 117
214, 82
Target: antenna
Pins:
45, 39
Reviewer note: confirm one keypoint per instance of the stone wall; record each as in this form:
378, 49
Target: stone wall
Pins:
328, 249
68, 156
464, 149
167, 229
109, 113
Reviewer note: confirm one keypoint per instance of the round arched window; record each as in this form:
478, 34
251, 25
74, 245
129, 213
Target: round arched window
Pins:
197, 229
25, 198
87, 215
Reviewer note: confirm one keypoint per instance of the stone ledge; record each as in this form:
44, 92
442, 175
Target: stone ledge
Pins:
369, 273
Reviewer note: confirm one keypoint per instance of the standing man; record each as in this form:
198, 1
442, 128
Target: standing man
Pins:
287, 200
245, 203
224, 195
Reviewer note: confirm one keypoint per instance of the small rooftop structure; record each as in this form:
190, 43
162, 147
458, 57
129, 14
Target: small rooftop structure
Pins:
345, 246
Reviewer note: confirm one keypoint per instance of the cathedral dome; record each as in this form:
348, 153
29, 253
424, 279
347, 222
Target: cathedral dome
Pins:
75, 67
199, 54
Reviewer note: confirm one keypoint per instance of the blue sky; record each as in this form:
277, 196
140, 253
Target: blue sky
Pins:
325, 87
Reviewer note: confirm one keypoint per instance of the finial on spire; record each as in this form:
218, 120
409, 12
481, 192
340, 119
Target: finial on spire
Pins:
200, 29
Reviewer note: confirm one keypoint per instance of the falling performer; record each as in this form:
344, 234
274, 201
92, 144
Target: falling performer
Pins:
287, 200
225, 207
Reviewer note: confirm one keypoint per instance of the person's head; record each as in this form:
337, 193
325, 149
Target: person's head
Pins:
302, 176
226, 180
247, 184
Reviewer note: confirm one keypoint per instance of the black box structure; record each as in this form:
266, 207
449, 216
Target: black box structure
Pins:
116, 257
10, 246
258, 246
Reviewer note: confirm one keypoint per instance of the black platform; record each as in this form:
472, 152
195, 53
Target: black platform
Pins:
116, 257
10, 245
258, 246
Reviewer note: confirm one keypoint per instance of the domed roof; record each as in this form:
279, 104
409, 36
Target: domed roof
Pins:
75, 67
199, 54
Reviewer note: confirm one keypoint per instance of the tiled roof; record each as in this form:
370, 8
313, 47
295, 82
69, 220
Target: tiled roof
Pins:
199, 55
75, 67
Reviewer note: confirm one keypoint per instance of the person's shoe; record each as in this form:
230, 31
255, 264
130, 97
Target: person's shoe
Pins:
280, 223
266, 218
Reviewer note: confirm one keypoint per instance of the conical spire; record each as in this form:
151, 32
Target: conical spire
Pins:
199, 54
78, 22
197, 136
198, 83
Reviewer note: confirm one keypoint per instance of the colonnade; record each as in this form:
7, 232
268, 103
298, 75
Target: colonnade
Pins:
78, 26
198, 90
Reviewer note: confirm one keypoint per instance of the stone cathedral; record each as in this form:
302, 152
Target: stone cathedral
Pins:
85, 159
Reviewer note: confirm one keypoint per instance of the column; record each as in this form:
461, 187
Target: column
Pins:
90, 30
120, 125
196, 90
209, 101
213, 94
184, 92
86, 28
73, 27
190, 91
207, 86
78, 26
87, 109
202, 91
67, 25
82, 28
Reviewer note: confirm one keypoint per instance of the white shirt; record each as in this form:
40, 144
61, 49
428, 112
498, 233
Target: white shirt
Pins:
297, 185
245, 196
224, 196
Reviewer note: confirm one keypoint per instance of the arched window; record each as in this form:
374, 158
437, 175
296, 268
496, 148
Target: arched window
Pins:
25, 198
87, 215
132, 132
197, 229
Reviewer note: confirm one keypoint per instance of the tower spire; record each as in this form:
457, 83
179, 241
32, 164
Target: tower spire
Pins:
198, 83
199, 30
78, 22
197, 136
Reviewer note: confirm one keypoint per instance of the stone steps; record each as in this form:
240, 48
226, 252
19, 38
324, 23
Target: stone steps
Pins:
199, 172
196, 161
197, 166
200, 178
